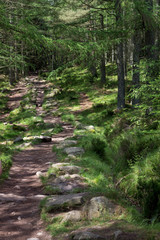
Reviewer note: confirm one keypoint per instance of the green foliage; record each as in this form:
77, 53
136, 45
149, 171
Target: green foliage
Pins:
143, 183
96, 143
5, 157
135, 143
4, 90
68, 117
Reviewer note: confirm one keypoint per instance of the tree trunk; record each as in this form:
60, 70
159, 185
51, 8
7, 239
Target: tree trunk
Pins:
136, 61
150, 43
103, 62
120, 61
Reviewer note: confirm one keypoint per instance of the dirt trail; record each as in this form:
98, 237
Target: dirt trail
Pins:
19, 212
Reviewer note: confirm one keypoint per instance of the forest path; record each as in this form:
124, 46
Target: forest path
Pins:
21, 193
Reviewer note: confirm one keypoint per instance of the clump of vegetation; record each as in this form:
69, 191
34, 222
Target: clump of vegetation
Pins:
95, 142
119, 149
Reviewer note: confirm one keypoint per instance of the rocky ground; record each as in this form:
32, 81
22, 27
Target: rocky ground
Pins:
21, 193
70, 200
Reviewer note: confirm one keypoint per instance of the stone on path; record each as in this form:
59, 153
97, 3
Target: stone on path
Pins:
74, 150
65, 168
37, 197
86, 236
81, 127
39, 174
66, 143
32, 238
65, 201
68, 183
70, 169
89, 128
57, 165
11, 198
41, 138
73, 216
24, 145
45, 138
72, 157
18, 139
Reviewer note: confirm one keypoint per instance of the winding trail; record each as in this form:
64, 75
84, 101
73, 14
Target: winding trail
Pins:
20, 195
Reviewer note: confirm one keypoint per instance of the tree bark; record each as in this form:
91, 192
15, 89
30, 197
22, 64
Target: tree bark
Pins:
120, 61
103, 62
150, 43
136, 61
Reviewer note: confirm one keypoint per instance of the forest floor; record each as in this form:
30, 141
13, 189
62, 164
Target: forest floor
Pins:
22, 192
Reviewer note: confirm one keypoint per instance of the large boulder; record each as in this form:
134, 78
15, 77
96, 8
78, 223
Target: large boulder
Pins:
99, 207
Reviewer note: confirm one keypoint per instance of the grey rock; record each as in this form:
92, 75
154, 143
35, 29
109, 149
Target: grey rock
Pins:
72, 157
24, 145
66, 168
45, 138
98, 207
18, 139
74, 150
39, 174
70, 169
66, 186
73, 216
30, 138
117, 233
17, 187
81, 127
41, 138
37, 197
86, 236
65, 201
89, 127
74, 176
33, 239
11, 198
50, 95
57, 165
67, 143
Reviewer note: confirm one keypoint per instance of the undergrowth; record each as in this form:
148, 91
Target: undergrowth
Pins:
124, 143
